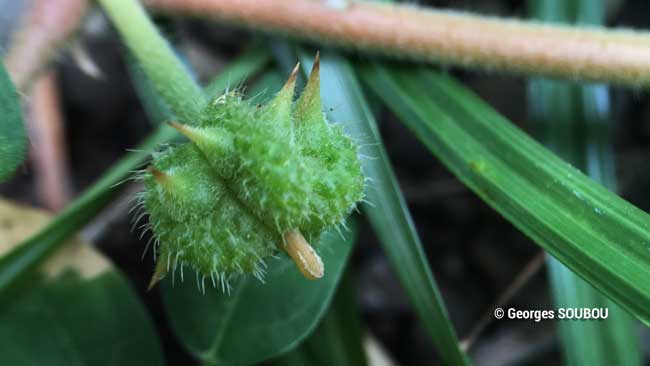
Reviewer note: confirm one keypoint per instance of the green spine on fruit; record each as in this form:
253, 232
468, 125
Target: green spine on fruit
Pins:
223, 202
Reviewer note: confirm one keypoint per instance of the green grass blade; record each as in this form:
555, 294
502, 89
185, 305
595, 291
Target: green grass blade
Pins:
572, 119
13, 139
387, 211
594, 232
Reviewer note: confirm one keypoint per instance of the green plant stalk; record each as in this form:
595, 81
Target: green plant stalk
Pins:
594, 232
441, 36
573, 121
16, 264
158, 111
167, 73
387, 210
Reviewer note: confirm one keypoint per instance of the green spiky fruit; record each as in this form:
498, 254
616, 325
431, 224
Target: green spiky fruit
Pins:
222, 202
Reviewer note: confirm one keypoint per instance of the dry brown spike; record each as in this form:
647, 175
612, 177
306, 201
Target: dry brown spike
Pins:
304, 256
183, 129
158, 175
291, 81
158, 274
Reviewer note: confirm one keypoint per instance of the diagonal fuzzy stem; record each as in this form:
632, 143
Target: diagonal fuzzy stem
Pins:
621, 57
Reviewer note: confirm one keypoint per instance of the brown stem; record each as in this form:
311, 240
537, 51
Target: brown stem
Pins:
43, 30
46, 130
522, 278
442, 36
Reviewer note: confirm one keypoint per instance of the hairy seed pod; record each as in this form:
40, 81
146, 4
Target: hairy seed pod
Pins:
252, 181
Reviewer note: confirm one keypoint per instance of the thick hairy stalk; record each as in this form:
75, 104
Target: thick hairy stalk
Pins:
621, 57
168, 75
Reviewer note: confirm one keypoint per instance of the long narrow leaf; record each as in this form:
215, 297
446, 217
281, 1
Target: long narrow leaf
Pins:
387, 210
572, 120
597, 234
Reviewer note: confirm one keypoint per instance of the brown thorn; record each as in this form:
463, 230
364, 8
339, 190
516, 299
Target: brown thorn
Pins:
286, 94
158, 175
159, 273
315, 69
294, 74
186, 131
303, 255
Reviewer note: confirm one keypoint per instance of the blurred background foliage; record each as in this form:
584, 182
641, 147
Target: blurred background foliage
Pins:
474, 253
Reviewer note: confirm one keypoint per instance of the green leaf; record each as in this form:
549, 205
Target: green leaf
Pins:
16, 264
256, 321
74, 321
595, 233
13, 139
78, 310
572, 119
387, 210
338, 338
